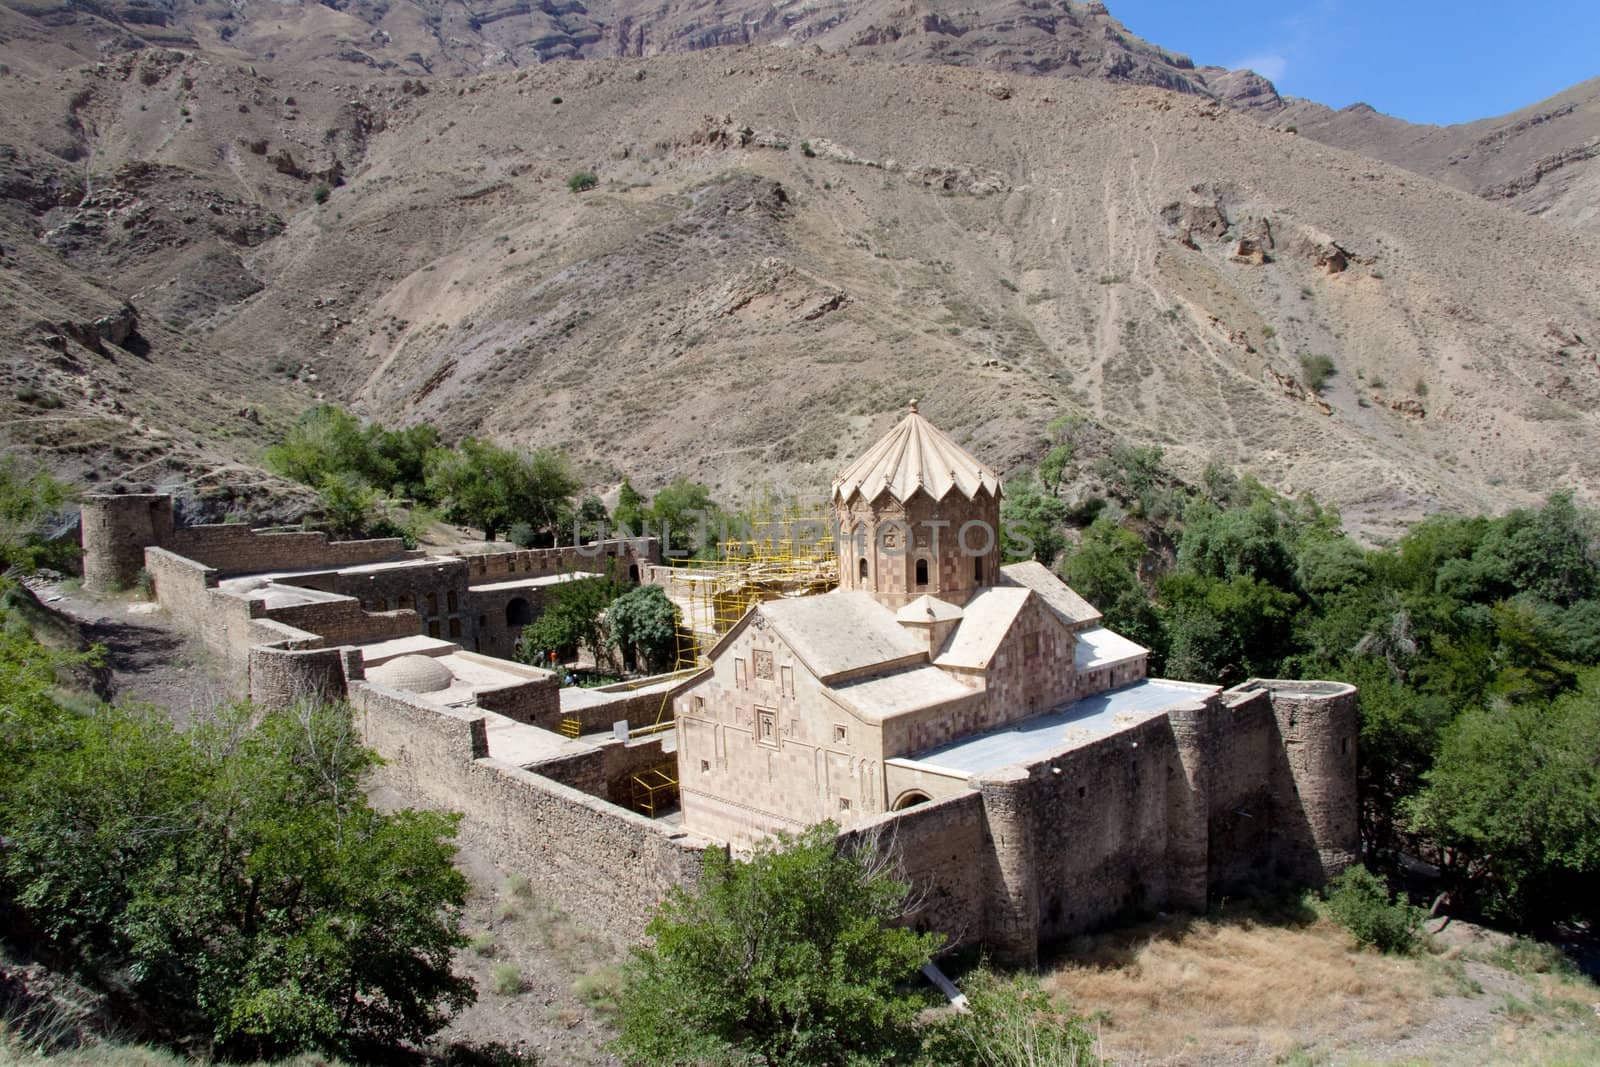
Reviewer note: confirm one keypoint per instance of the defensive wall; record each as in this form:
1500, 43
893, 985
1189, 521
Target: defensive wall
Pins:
1243, 787
606, 864
1164, 815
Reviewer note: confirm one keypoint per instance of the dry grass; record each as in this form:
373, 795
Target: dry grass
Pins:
1247, 989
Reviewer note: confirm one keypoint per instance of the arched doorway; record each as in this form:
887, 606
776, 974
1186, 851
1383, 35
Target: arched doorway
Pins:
910, 799
633, 573
518, 613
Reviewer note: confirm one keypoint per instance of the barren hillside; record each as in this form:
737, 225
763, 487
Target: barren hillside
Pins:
727, 305
1544, 160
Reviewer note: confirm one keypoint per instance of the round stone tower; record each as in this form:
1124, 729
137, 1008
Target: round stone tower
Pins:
1319, 813
917, 515
115, 531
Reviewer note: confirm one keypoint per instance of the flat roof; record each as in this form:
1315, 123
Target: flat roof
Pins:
1071, 726
415, 645
518, 743
530, 582
257, 578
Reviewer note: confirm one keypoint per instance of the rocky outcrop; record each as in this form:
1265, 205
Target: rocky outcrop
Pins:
117, 327
1200, 214
959, 178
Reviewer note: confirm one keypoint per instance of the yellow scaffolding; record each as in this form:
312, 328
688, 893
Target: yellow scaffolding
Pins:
776, 553
570, 727
656, 789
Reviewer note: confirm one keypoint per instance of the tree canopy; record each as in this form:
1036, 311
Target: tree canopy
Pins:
1473, 640
790, 957
234, 873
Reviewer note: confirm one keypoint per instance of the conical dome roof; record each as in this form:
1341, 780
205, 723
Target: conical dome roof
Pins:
914, 455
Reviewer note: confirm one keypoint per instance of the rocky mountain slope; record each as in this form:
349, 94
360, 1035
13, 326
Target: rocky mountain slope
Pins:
1544, 160
784, 248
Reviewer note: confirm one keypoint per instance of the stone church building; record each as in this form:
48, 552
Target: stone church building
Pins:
983, 716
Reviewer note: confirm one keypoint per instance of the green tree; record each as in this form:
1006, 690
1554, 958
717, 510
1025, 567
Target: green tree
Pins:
1132, 474
1031, 523
688, 520
792, 957
1360, 902
644, 626
490, 487
574, 617
1239, 542
349, 506
1104, 570
632, 512
234, 873
325, 441
29, 498
1510, 803
1225, 630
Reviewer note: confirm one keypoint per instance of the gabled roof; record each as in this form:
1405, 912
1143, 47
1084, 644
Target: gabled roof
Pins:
839, 632
926, 610
1100, 647
985, 621
1072, 608
883, 696
915, 455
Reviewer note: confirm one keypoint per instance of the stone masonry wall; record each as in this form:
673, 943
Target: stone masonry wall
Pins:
608, 865
943, 849
281, 678
343, 622
233, 548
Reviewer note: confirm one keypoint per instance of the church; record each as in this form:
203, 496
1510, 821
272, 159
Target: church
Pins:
894, 688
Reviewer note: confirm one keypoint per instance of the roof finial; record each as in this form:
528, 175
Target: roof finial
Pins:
913, 407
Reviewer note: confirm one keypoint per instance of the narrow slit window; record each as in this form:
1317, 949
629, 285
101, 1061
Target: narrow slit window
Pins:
922, 572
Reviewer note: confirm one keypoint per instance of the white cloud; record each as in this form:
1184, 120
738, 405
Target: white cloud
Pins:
1269, 65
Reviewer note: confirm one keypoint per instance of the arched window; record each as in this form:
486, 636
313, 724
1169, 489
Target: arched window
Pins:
863, 568
910, 800
922, 573
518, 613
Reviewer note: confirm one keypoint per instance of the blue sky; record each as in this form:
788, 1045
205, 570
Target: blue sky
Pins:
1423, 60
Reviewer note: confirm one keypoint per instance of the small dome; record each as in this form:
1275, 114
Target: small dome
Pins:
412, 674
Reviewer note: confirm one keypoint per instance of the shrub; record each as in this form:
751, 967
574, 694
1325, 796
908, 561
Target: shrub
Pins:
1012, 1023
600, 990
1315, 372
555, 100
806, 149
482, 943
145, 583
506, 979
321, 193
795, 956
523, 535
1359, 901
1420, 388
583, 181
